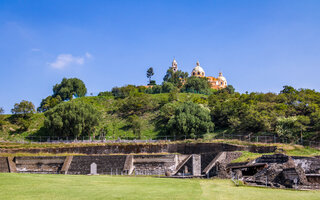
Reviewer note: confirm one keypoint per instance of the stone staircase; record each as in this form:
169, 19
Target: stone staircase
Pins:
208, 161
181, 164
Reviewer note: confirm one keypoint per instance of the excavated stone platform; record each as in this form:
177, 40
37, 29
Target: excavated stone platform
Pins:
39, 164
132, 148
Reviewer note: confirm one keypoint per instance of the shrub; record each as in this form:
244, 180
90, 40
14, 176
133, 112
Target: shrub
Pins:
190, 119
72, 119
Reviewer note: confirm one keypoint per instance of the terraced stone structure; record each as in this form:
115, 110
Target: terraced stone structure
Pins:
146, 148
175, 160
39, 165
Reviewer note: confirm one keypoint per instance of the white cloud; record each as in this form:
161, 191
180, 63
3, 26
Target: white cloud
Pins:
88, 55
64, 60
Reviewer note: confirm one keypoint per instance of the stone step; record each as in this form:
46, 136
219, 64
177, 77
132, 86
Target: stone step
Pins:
219, 158
39, 160
276, 158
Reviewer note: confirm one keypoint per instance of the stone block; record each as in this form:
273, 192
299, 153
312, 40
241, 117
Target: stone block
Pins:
196, 165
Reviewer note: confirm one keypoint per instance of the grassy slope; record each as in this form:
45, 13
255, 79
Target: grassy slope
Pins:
105, 105
34, 186
11, 131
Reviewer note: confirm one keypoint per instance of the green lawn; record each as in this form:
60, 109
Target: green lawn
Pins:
33, 186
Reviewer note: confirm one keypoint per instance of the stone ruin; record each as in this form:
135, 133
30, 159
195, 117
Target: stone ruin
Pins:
187, 161
175, 165
279, 171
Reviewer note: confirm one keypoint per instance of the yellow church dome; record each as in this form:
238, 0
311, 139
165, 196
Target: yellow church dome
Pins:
221, 77
198, 71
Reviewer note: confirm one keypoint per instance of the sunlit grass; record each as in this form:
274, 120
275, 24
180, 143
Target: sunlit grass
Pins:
36, 186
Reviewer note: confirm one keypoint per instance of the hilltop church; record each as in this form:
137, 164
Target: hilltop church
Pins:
216, 83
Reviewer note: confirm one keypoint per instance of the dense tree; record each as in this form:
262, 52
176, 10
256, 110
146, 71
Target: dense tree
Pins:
1, 110
22, 113
315, 120
190, 119
222, 111
167, 87
136, 105
105, 94
24, 108
196, 85
176, 78
122, 92
152, 82
150, 73
167, 112
112, 126
288, 90
136, 125
72, 119
254, 121
229, 89
156, 89
69, 88
292, 128
49, 103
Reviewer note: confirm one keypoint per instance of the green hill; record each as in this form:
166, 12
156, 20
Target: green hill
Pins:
113, 117
132, 112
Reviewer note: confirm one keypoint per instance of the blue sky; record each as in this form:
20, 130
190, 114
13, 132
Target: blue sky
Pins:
259, 46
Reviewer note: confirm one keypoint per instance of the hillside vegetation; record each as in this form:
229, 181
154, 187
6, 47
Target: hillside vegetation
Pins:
114, 119
172, 110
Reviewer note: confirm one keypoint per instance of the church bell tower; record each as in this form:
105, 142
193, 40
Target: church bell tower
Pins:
174, 66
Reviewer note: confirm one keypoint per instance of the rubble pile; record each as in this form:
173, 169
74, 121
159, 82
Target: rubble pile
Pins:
279, 171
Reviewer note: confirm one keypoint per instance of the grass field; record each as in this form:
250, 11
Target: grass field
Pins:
34, 186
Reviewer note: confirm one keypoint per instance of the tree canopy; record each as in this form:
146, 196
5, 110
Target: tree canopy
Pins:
72, 119
69, 88
175, 77
150, 73
49, 103
128, 90
22, 113
197, 85
190, 119
23, 108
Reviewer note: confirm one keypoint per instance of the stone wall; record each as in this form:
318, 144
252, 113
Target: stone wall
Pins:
40, 164
105, 164
154, 164
4, 167
181, 148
